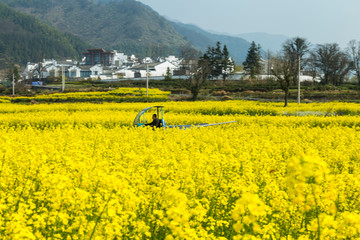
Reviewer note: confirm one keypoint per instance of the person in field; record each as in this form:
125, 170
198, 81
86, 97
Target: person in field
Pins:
155, 123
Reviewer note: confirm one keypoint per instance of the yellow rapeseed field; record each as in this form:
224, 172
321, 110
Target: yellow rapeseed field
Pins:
81, 171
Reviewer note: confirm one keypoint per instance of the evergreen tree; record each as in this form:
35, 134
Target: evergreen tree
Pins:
252, 64
214, 57
218, 61
209, 57
168, 75
227, 64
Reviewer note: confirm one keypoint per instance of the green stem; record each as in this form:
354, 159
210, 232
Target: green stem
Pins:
99, 217
317, 212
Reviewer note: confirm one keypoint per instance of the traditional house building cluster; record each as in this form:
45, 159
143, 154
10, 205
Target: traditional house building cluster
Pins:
101, 64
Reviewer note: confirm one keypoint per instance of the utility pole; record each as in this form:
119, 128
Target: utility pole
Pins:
298, 98
63, 78
13, 85
147, 79
268, 64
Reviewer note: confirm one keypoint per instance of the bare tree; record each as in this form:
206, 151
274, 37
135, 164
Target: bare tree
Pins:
295, 49
311, 66
332, 63
198, 78
353, 51
282, 69
188, 52
154, 51
40, 67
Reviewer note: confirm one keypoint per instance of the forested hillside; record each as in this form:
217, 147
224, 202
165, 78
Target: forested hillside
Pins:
23, 39
124, 25
127, 25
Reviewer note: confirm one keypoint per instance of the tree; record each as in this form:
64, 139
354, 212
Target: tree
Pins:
252, 64
40, 67
198, 78
219, 61
332, 63
217, 67
189, 62
282, 69
227, 64
13, 73
311, 66
295, 49
353, 51
13, 77
188, 52
214, 56
168, 75
154, 51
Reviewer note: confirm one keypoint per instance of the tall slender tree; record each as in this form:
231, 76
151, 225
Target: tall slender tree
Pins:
228, 65
218, 60
252, 64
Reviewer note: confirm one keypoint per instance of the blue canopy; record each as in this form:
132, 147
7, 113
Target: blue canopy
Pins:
140, 118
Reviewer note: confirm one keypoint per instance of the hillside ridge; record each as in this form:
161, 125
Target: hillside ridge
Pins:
24, 38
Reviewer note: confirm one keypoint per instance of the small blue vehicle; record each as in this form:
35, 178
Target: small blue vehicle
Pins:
140, 120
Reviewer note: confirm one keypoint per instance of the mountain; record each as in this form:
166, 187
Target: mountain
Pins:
201, 39
23, 38
272, 42
126, 25
105, 1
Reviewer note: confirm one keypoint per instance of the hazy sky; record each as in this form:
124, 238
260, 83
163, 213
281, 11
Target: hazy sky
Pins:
319, 21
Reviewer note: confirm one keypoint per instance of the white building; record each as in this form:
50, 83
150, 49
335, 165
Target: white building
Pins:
123, 66
154, 69
124, 73
119, 59
54, 71
173, 60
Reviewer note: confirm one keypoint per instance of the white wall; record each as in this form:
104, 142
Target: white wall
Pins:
96, 71
162, 68
76, 70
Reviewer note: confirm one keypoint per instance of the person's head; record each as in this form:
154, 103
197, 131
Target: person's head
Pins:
154, 116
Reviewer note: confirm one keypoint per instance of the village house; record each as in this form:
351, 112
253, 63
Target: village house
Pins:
186, 67
101, 64
99, 56
156, 69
